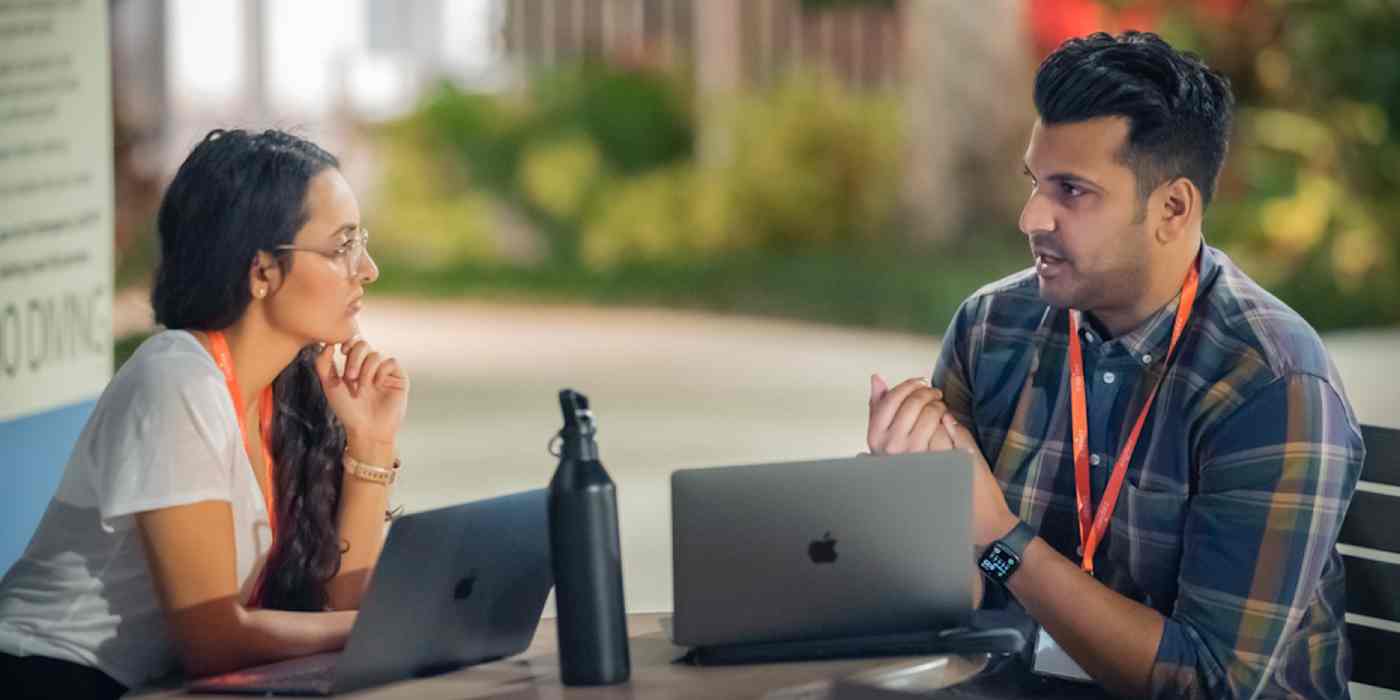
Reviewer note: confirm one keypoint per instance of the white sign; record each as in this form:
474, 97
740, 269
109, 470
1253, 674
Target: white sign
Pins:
56, 206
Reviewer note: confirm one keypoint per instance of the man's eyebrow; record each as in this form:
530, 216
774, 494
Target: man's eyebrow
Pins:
1064, 177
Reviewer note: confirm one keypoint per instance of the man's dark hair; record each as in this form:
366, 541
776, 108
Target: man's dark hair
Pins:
1178, 109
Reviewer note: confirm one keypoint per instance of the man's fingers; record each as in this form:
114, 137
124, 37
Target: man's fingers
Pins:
929, 423
940, 441
882, 413
878, 388
961, 436
912, 408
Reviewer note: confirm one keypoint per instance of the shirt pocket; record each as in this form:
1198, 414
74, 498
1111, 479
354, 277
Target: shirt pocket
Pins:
1145, 543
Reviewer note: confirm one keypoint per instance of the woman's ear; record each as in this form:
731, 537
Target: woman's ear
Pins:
264, 276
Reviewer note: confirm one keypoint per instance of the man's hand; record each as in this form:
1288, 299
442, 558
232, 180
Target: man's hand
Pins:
912, 417
907, 418
991, 518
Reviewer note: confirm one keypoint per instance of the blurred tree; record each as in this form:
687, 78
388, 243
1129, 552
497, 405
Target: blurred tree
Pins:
1306, 202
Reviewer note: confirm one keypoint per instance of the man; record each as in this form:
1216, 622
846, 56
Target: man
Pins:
1212, 567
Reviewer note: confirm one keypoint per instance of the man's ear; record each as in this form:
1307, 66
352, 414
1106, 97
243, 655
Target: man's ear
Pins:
1174, 205
264, 275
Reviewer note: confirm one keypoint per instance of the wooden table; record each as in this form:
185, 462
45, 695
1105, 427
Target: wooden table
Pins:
535, 675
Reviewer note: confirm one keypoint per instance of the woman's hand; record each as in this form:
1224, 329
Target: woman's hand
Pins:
368, 392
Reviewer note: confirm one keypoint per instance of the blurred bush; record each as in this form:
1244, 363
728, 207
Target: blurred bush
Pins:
557, 176
424, 213
1307, 201
815, 164
812, 166
602, 160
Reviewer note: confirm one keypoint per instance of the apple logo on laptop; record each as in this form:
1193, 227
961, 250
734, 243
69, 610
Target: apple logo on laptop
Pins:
465, 586
822, 551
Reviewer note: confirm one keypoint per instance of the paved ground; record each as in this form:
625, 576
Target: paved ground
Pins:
670, 390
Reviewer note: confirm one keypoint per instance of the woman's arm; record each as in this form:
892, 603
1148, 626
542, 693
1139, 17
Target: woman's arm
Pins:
370, 396
360, 524
191, 553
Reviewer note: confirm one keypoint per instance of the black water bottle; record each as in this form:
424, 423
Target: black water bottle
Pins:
587, 556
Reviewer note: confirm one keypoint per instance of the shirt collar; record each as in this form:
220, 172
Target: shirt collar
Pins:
1151, 339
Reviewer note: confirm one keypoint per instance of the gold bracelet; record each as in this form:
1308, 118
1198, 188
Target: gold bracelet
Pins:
369, 472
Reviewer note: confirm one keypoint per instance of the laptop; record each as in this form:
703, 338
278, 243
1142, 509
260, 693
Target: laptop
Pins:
821, 558
453, 587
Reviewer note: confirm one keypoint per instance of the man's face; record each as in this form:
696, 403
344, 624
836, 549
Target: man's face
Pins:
1090, 251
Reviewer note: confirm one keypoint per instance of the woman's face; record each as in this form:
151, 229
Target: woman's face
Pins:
320, 294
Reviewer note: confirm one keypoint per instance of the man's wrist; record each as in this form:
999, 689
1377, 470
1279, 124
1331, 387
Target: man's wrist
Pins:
1002, 558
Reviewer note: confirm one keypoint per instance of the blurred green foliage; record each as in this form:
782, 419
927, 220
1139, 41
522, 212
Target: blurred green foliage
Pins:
1307, 202
425, 214
810, 166
601, 162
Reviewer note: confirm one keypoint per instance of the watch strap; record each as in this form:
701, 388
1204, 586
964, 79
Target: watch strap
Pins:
369, 472
1019, 538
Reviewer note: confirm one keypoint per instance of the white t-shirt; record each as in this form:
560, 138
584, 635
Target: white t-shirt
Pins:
164, 433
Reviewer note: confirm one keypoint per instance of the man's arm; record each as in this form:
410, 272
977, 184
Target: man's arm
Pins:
1276, 478
1112, 638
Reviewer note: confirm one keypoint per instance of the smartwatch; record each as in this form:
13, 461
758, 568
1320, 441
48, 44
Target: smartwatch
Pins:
1003, 557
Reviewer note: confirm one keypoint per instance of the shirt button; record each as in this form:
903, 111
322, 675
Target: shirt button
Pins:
1147, 359
1089, 336
1095, 460
1108, 377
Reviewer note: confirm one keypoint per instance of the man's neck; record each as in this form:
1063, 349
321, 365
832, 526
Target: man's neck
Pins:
1161, 290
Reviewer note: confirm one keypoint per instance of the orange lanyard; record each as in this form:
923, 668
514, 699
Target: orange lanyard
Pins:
219, 346
1092, 526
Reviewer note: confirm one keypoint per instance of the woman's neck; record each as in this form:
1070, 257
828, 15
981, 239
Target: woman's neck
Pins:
259, 355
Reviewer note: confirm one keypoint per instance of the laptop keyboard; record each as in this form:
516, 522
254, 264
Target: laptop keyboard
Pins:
306, 675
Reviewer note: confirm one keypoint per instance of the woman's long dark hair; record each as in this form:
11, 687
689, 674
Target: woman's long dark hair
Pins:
236, 194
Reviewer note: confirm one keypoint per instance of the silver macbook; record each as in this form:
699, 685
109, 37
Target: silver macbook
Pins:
454, 586
821, 550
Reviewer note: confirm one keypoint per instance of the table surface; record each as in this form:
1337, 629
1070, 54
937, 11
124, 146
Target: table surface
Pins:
534, 674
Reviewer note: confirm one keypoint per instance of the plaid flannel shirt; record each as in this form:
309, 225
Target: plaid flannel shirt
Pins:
1227, 520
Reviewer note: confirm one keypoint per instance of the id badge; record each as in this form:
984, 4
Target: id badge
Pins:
1051, 659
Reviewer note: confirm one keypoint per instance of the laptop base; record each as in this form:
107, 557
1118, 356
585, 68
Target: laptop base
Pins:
987, 632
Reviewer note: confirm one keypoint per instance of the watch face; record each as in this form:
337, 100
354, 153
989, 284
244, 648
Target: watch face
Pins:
998, 562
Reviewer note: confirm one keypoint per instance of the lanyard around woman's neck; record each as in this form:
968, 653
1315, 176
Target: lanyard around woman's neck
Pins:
218, 345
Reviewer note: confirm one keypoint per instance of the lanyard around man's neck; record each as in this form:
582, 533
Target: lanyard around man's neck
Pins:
1093, 526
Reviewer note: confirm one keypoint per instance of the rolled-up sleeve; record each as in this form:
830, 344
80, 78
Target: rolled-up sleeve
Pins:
1275, 479
952, 372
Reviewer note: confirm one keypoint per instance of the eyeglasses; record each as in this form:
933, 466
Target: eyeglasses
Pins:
352, 251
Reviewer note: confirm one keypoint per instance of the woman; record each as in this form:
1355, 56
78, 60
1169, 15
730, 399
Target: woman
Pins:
225, 504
